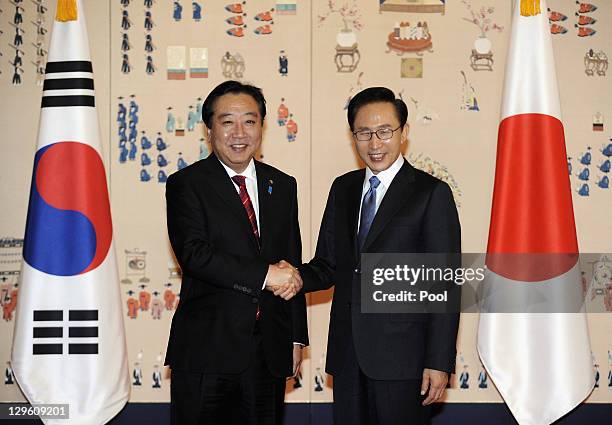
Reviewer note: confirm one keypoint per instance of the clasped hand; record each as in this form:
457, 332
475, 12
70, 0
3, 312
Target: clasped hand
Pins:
283, 280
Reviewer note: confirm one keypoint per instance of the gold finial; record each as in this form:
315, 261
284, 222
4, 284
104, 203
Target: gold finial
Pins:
530, 7
66, 10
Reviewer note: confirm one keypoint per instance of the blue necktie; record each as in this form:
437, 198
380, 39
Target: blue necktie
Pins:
368, 211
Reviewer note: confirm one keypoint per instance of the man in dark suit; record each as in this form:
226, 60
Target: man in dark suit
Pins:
387, 368
230, 219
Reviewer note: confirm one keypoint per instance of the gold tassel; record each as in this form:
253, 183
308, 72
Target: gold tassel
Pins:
66, 10
530, 7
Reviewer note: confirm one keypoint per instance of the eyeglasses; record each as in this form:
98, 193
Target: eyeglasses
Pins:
381, 133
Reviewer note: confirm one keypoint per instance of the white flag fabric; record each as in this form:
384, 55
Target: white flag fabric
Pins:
69, 341
538, 355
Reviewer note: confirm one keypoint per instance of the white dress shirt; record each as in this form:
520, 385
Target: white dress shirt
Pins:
385, 177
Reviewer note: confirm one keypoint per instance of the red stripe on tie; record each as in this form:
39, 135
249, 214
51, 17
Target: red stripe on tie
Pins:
246, 203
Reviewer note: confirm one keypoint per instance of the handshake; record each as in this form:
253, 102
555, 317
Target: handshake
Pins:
283, 280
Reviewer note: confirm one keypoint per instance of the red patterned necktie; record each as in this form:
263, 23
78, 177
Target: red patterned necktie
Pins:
248, 206
246, 203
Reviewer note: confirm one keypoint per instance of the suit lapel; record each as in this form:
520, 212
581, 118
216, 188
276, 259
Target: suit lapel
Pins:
264, 193
226, 189
353, 201
398, 193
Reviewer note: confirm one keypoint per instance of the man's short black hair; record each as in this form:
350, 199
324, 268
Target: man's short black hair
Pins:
234, 87
376, 95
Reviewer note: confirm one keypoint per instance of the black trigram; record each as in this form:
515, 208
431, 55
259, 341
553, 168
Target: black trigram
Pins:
74, 331
68, 83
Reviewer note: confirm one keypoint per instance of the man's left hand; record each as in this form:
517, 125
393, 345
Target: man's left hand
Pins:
297, 358
435, 381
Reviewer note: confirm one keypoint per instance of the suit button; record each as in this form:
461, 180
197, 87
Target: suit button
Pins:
254, 300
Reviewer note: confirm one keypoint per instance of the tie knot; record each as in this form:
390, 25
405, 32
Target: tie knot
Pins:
239, 180
374, 182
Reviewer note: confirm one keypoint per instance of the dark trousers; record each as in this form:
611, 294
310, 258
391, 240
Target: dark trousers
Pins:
360, 400
253, 397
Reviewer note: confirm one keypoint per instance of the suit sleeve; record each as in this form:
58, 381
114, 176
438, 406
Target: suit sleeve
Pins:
442, 234
189, 237
299, 321
318, 273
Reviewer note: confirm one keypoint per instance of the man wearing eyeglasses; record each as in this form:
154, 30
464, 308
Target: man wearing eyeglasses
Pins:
387, 368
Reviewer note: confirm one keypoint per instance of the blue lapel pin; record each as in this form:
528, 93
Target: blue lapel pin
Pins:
270, 183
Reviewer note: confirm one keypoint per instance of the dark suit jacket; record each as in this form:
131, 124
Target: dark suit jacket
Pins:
224, 270
417, 215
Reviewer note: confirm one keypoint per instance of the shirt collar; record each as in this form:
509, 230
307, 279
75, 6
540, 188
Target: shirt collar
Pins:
386, 176
249, 172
